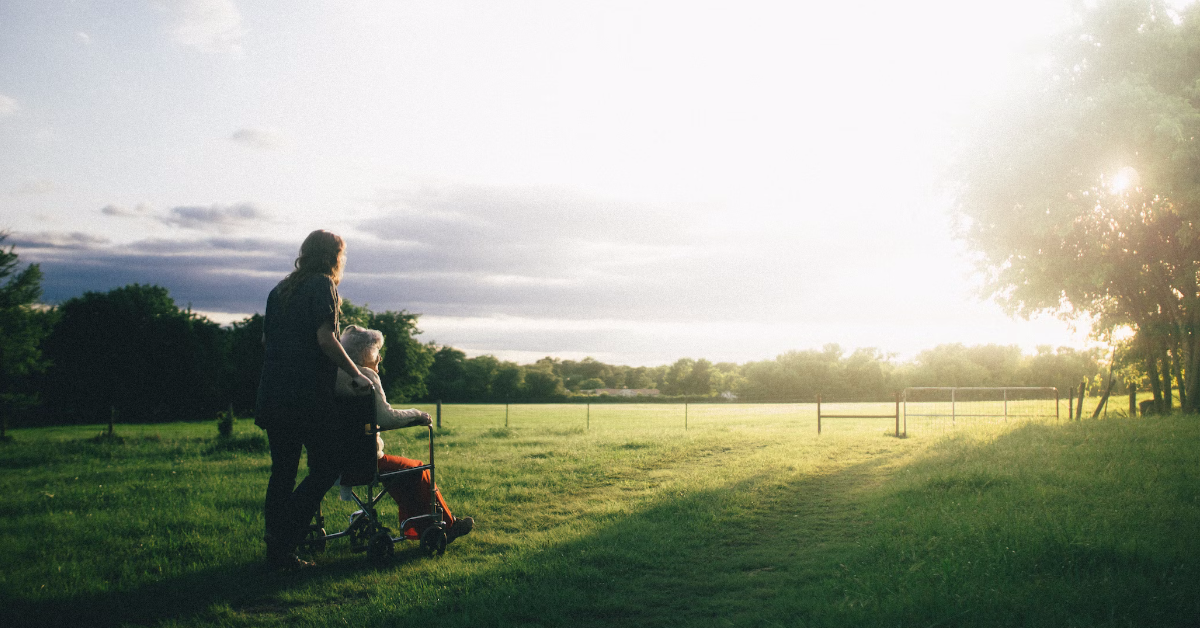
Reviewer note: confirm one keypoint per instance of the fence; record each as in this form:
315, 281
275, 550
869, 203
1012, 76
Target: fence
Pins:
932, 409
896, 416
652, 416
976, 403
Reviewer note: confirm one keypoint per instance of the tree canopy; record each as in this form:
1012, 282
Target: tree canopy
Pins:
1082, 192
22, 327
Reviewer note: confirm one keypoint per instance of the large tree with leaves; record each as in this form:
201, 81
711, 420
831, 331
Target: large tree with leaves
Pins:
22, 327
133, 354
1082, 193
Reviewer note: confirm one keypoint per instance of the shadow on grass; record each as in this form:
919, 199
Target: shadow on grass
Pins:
823, 549
249, 586
693, 556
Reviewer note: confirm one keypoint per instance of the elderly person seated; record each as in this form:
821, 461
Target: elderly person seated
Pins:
410, 492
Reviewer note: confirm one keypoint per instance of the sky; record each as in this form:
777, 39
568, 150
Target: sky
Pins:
632, 181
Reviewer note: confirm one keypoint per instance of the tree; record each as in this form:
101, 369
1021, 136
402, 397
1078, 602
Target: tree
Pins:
245, 361
133, 352
22, 327
591, 384
479, 375
509, 381
447, 375
639, 377
406, 361
676, 376
542, 384
1082, 196
699, 379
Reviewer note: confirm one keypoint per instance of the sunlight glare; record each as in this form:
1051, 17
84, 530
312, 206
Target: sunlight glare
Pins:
1125, 180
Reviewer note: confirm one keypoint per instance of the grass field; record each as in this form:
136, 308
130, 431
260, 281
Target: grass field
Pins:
746, 518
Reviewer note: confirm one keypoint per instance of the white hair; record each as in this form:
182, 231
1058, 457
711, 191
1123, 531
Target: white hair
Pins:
361, 344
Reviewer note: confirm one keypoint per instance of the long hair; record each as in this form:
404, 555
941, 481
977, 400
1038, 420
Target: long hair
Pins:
322, 253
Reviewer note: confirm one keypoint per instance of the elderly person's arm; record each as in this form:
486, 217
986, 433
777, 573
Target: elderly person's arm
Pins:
389, 418
363, 346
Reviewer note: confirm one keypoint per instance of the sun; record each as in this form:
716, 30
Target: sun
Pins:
1125, 180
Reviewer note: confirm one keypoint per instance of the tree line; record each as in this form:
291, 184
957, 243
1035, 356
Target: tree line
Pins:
133, 355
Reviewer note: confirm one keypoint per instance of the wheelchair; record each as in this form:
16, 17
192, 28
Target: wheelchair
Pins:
356, 430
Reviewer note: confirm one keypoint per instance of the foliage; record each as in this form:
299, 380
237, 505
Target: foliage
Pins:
133, 352
22, 327
1081, 195
244, 359
447, 375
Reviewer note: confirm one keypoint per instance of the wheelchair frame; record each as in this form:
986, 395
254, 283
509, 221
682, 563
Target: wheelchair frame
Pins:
365, 531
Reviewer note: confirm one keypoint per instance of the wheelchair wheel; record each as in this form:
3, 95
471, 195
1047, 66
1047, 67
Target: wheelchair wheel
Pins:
380, 548
433, 540
315, 540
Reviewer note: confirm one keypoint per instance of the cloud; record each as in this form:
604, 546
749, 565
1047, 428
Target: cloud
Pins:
266, 139
139, 210
214, 274
219, 217
213, 26
34, 188
535, 252
8, 106
74, 240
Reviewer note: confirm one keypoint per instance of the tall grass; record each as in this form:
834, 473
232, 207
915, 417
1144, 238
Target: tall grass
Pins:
745, 518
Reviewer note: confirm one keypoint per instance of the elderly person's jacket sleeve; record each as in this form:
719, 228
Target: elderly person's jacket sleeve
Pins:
386, 416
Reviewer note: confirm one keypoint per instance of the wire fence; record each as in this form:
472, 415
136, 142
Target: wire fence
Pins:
920, 411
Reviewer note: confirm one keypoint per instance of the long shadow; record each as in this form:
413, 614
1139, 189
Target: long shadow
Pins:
710, 557
597, 579
244, 585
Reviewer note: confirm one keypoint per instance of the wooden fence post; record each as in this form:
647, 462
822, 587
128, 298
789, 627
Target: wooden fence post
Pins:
818, 414
897, 395
439, 414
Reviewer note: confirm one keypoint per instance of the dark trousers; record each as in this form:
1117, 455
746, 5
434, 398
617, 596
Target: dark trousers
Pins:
289, 507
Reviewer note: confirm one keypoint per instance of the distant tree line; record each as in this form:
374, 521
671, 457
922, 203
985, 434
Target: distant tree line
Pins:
132, 355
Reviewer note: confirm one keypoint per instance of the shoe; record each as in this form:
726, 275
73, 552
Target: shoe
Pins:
462, 527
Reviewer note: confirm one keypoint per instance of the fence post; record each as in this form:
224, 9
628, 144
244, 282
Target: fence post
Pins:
112, 418
897, 396
1132, 401
505, 414
439, 414
818, 414
1079, 411
1056, 404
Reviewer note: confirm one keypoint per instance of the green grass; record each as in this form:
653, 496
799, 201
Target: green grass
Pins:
746, 518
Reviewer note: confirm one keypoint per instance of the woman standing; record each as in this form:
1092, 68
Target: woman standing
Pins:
295, 393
